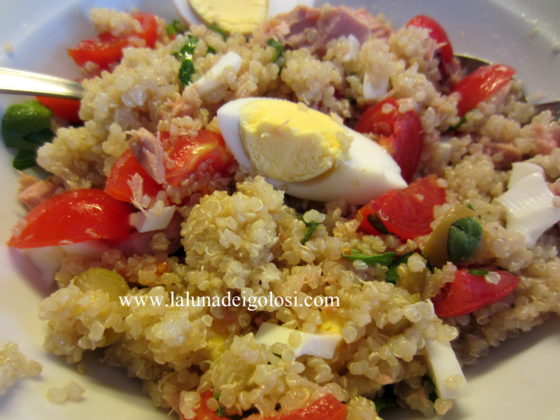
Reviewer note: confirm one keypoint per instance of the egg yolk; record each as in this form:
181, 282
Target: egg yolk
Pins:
233, 16
290, 142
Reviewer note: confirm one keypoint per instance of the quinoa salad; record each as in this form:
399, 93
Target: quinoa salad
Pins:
310, 215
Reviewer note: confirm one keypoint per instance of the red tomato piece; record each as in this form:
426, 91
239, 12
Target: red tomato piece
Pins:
149, 28
106, 48
326, 407
469, 292
125, 167
204, 153
400, 133
405, 213
481, 84
67, 109
437, 33
72, 217
202, 412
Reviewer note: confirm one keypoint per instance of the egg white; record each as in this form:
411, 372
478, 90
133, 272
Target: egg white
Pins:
274, 7
368, 172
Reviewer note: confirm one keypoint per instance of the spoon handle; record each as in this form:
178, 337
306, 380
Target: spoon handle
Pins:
553, 107
28, 83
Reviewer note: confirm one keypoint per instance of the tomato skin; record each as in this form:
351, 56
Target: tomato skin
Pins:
106, 49
469, 292
401, 134
326, 407
437, 33
187, 154
149, 28
122, 171
72, 217
405, 213
202, 412
481, 84
67, 109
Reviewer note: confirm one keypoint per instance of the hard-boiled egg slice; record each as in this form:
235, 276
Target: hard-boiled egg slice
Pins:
216, 76
531, 208
235, 16
47, 259
320, 345
156, 218
306, 151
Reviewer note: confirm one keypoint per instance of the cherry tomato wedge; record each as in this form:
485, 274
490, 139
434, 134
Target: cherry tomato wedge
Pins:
106, 48
202, 412
67, 109
204, 153
469, 292
400, 133
72, 217
437, 33
125, 167
326, 407
481, 84
149, 31
405, 213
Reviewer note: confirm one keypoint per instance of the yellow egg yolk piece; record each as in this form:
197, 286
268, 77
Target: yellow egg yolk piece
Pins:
233, 16
290, 142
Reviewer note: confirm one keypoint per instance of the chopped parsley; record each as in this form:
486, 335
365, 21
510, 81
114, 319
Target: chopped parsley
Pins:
214, 27
186, 71
377, 224
392, 276
478, 271
185, 54
455, 127
311, 226
175, 27
187, 50
385, 259
279, 49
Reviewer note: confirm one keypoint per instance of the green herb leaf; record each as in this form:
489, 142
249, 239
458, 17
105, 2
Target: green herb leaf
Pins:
214, 27
391, 276
175, 27
377, 224
311, 226
386, 398
21, 119
187, 50
211, 50
186, 71
382, 259
279, 47
455, 127
221, 411
25, 158
463, 239
478, 271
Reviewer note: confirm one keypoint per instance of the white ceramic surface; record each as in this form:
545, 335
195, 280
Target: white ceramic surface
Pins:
518, 381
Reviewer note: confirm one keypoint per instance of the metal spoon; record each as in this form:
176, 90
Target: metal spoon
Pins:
28, 83
470, 64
